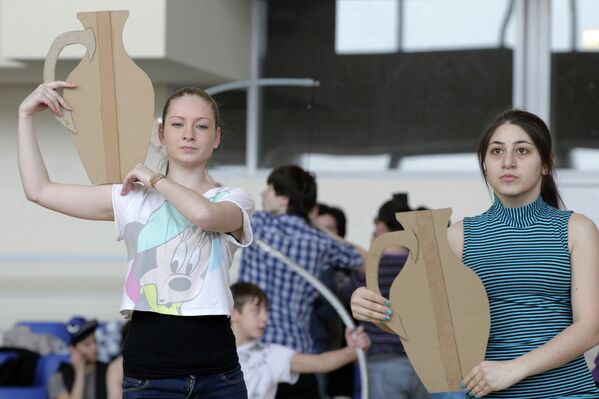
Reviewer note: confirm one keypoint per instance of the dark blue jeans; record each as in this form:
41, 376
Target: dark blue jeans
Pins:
228, 385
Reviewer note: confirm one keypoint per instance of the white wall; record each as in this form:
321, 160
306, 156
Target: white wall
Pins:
144, 37
213, 34
183, 41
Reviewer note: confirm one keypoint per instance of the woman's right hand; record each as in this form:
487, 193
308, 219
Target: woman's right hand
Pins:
45, 96
366, 305
81, 201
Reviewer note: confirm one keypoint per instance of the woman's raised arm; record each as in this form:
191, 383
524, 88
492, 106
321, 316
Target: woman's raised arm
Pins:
86, 202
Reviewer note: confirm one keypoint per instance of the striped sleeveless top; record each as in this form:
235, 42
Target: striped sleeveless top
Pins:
522, 257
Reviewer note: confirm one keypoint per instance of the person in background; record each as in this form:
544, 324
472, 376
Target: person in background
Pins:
114, 374
333, 220
539, 265
390, 372
84, 377
284, 225
266, 365
326, 327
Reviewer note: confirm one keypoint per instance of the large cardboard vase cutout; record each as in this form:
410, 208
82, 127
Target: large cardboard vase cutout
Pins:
440, 307
113, 103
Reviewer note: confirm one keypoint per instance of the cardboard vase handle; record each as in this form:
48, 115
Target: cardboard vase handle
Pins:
405, 238
84, 37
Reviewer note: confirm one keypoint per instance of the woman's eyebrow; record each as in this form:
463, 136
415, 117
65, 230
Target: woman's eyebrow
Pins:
515, 142
182, 117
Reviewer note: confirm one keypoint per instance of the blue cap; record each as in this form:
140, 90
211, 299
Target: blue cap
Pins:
80, 328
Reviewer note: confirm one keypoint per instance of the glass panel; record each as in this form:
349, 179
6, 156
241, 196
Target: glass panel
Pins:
574, 25
366, 26
585, 159
455, 24
575, 82
433, 99
232, 106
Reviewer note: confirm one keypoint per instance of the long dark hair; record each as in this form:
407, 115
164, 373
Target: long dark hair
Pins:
387, 211
539, 133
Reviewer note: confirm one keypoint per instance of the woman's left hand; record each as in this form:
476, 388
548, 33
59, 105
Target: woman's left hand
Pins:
140, 173
489, 376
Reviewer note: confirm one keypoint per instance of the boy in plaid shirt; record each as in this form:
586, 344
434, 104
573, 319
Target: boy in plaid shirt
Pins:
284, 225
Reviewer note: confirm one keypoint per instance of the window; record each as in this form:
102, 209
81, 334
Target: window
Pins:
366, 26
575, 82
398, 78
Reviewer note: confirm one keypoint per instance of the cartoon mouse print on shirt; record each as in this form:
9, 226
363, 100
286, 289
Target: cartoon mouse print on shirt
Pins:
171, 258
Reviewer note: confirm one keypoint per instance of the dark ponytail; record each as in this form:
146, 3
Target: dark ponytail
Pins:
387, 211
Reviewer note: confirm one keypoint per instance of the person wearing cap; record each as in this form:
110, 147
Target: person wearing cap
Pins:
390, 373
84, 377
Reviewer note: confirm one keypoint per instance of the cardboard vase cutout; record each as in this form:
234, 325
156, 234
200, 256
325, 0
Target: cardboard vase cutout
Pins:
113, 103
440, 307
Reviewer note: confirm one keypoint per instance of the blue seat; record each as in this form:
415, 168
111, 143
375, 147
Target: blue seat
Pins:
46, 366
57, 329
6, 356
23, 393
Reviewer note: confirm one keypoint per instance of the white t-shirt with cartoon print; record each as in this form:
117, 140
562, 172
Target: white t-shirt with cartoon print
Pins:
174, 267
264, 366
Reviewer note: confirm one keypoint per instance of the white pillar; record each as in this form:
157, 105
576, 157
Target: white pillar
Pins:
253, 108
532, 57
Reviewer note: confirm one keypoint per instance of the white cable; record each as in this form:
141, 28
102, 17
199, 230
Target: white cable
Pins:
325, 292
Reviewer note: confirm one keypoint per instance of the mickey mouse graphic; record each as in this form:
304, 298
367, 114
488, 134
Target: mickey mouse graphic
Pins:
171, 257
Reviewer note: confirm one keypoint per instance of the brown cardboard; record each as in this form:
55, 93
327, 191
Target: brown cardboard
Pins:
440, 307
113, 104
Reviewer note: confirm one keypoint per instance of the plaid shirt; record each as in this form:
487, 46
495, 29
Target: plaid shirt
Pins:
291, 297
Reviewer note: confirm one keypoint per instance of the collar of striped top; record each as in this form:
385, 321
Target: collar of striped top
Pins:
522, 216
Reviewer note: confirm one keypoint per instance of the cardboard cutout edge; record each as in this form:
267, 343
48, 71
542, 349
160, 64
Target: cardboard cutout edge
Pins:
84, 37
113, 104
408, 240
442, 275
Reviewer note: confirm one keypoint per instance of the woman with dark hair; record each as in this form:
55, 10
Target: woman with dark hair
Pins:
539, 266
181, 232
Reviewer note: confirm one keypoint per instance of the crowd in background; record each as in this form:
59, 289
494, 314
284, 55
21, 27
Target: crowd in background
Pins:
298, 317
270, 335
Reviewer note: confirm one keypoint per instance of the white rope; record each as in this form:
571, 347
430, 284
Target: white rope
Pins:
325, 292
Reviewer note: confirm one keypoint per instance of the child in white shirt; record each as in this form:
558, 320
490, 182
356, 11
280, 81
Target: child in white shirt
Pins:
266, 365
